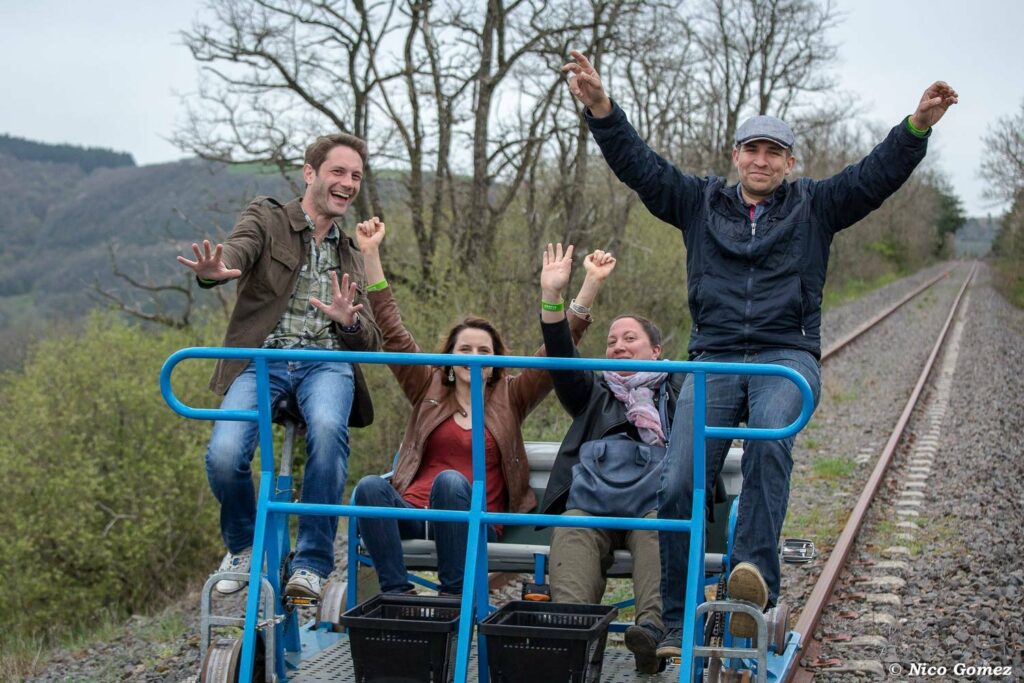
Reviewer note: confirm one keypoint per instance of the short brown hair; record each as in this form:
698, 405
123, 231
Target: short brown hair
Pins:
322, 146
471, 322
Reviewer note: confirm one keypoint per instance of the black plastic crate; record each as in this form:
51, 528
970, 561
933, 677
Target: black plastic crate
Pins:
403, 638
538, 642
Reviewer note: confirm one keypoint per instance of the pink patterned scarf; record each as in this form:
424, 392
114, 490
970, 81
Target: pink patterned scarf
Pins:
636, 391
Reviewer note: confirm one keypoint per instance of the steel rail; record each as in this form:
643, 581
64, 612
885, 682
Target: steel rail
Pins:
868, 324
813, 609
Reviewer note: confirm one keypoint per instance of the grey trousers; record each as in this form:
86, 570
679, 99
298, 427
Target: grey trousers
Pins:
580, 559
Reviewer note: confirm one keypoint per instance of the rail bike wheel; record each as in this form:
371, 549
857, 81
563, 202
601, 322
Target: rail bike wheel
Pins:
223, 662
332, 606
778, 626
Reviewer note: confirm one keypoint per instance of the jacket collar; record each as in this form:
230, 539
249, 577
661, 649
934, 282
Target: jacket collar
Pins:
296, 216
297, 219
732, 193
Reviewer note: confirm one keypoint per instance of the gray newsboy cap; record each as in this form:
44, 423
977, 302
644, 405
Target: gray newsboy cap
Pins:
765, 128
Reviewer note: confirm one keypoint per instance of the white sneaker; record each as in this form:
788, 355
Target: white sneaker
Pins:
304, 584
234, 562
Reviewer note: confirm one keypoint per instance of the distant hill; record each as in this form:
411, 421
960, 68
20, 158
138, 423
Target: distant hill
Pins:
86, 158
57, 222
57, 219
976, 235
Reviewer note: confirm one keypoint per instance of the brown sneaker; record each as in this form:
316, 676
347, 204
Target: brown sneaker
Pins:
746, 583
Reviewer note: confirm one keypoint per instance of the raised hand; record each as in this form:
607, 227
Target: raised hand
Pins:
369, 234
585, 85
599, 264
933, 105
555, 273
208, 264
342, 308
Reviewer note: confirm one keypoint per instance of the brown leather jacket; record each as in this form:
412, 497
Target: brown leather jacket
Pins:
506, 404
267, 245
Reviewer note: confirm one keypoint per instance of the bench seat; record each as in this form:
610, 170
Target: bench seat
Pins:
520, 544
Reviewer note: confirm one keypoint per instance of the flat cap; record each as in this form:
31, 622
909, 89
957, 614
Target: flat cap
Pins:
765, 128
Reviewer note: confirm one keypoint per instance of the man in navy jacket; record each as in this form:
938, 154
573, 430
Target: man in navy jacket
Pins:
756, 258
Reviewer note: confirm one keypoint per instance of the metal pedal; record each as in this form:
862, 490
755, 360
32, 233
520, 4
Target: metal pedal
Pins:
293, 601
537, 592
798, 550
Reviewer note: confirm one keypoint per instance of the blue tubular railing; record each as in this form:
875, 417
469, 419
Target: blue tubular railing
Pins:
475, 589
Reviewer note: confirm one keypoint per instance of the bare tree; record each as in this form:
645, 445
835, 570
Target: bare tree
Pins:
276, 73
466, 101
1003, 166
763, 56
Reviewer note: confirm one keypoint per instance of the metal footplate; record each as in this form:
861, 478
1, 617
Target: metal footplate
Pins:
207, 620
760, 653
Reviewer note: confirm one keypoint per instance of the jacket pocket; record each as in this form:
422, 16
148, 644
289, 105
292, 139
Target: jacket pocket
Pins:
281, 267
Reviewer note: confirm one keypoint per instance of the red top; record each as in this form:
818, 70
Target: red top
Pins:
450, 447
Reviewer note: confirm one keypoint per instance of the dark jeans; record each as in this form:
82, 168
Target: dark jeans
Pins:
762, 402
383, 537
324, 393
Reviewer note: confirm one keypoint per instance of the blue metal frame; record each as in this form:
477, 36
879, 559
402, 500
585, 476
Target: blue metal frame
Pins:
272, 514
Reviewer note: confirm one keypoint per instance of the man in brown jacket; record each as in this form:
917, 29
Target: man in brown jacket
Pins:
286, 258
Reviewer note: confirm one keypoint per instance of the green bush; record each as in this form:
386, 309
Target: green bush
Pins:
1008, 253
104, 501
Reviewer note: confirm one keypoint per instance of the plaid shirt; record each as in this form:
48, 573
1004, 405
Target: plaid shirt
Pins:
303, 324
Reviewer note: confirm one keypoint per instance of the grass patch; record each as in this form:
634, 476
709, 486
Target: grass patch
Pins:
22, 656
941, 532
844, 396
812, 444
840, 292
817, 524
833, 469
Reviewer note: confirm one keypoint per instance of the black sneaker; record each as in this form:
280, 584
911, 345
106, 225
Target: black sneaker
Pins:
642, 640
672, 644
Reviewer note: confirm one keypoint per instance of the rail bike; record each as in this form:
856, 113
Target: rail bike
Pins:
436, 639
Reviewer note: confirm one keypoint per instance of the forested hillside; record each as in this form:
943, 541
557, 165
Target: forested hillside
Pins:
58, 223
86, 158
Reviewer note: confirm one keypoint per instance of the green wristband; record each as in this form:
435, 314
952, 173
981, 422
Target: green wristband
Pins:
915, 130
377, 286
547, 306
204, 281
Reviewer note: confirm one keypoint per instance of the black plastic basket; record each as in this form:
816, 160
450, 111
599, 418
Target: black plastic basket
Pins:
537, 642
403, 638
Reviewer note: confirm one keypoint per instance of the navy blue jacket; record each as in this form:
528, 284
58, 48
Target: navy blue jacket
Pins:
748, 288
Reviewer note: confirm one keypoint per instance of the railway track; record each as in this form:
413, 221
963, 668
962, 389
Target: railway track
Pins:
852, 642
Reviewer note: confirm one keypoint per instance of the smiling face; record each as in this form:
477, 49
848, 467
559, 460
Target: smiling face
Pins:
628, 340
762, 166
333, 187
473, 341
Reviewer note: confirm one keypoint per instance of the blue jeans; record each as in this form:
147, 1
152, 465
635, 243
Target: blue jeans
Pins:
323, 392
383, 537
762, 402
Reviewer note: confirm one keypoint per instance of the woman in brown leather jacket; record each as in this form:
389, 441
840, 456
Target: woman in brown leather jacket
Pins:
434, 466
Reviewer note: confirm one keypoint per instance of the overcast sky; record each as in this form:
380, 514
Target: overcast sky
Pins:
106, 73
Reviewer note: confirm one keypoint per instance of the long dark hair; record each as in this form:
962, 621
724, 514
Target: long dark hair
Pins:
472, 322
